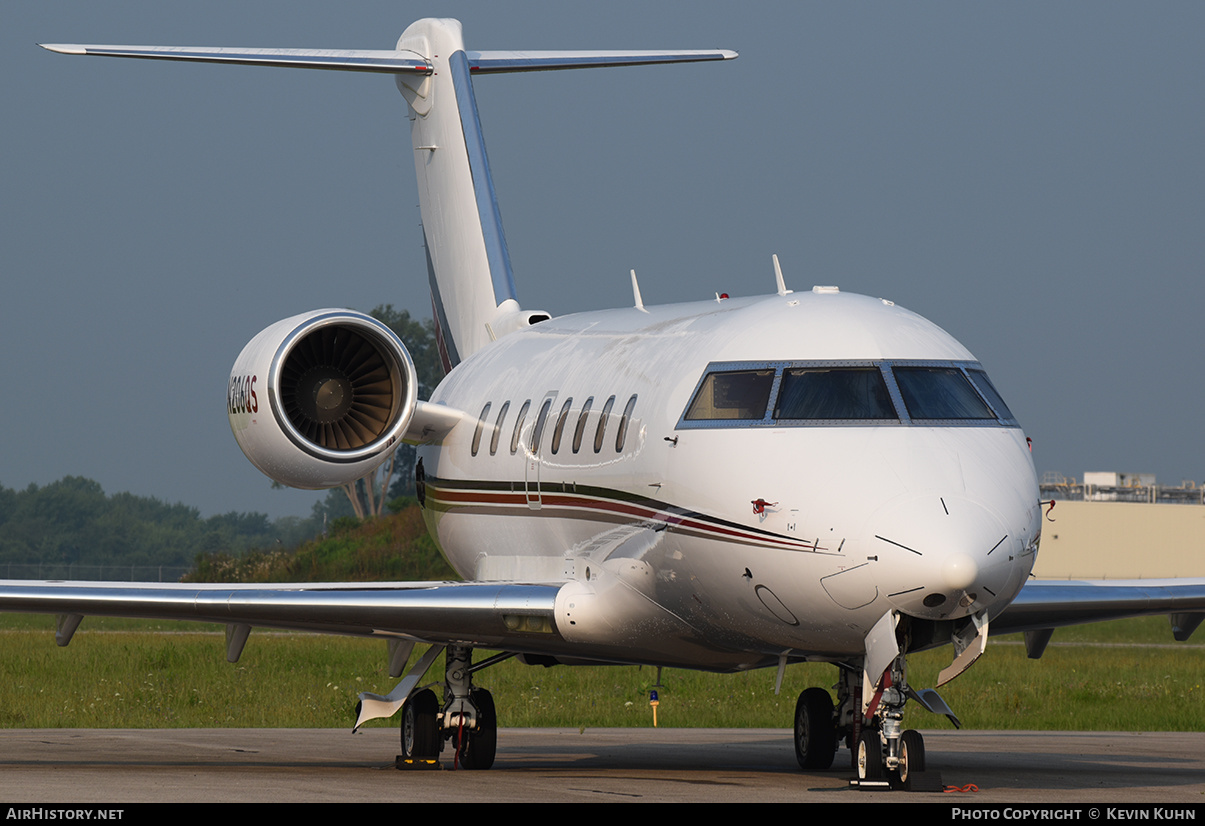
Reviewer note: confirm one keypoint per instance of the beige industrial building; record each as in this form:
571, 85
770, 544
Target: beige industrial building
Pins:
1112, 528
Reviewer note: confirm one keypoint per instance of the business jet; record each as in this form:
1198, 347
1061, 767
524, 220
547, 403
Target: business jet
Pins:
724, 485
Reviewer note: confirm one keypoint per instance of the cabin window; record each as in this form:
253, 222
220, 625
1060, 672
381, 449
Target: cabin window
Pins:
602, 424
580, 430
485, 411
622, 435
541, 419
940, 393
498, 428
988, 390
833, 393
728, 395
560, 424
514, 437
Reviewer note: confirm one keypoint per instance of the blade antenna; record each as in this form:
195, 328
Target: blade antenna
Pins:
636, 294
782, 287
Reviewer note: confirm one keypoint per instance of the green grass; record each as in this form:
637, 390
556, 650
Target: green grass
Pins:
41, 622
1073, 688
126, 679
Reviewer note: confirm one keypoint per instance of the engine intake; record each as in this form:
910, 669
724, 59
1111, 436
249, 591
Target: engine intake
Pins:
341, 390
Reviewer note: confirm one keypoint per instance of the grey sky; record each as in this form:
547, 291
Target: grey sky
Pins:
1030, 176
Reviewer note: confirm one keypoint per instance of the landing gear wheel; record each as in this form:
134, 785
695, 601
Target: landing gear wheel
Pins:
869, 755
481, 745
420, 733
912, 759
815, 732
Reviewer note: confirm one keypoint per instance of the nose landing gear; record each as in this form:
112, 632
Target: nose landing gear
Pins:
885, 752
883, 755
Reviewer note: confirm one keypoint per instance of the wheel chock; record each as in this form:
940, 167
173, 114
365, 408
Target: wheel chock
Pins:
417, 763
928, 781
870, 785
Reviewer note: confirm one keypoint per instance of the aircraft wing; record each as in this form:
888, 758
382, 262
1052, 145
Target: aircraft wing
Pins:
1049, 604
512, 616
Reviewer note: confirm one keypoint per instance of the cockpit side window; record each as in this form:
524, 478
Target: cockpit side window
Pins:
940, 393
734, 394
833, 393
988, 391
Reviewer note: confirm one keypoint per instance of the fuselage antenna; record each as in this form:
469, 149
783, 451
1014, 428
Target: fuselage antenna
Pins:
636, 294
782, 287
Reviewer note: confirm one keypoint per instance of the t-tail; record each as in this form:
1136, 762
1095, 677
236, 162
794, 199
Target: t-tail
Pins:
472, 284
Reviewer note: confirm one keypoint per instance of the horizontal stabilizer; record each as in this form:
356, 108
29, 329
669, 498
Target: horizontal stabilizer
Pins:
394, 62
348, 60
481, 63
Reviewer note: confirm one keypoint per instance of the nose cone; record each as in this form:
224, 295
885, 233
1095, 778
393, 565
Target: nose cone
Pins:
942, 557
959, 572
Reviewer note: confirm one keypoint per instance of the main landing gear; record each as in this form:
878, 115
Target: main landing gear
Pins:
467, 718
815, 730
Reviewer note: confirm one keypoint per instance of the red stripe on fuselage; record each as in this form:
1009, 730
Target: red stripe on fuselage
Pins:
466, 498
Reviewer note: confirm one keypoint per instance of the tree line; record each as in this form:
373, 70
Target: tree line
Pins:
60, 529
74, 523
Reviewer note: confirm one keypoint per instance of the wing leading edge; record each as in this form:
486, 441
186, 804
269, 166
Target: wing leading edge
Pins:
1044, 605
517, 617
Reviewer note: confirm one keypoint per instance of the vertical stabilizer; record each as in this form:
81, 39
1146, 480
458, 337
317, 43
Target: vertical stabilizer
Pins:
472, 287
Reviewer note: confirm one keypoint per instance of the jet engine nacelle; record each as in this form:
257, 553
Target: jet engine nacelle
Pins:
321, 399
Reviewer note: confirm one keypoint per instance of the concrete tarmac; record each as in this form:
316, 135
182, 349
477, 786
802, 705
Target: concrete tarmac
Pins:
592, 766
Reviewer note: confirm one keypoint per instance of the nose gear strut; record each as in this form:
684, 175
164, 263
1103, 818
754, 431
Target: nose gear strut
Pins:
881, 747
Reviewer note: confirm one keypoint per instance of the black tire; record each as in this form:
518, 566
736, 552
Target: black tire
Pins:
815, 731
869, 755
912, 759
420, 732
478, 753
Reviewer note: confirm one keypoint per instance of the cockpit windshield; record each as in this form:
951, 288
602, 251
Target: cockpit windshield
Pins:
834, 393
940, 393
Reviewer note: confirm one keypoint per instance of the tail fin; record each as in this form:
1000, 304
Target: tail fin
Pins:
472, 285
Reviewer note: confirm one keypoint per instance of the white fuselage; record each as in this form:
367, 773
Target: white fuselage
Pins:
662, 531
